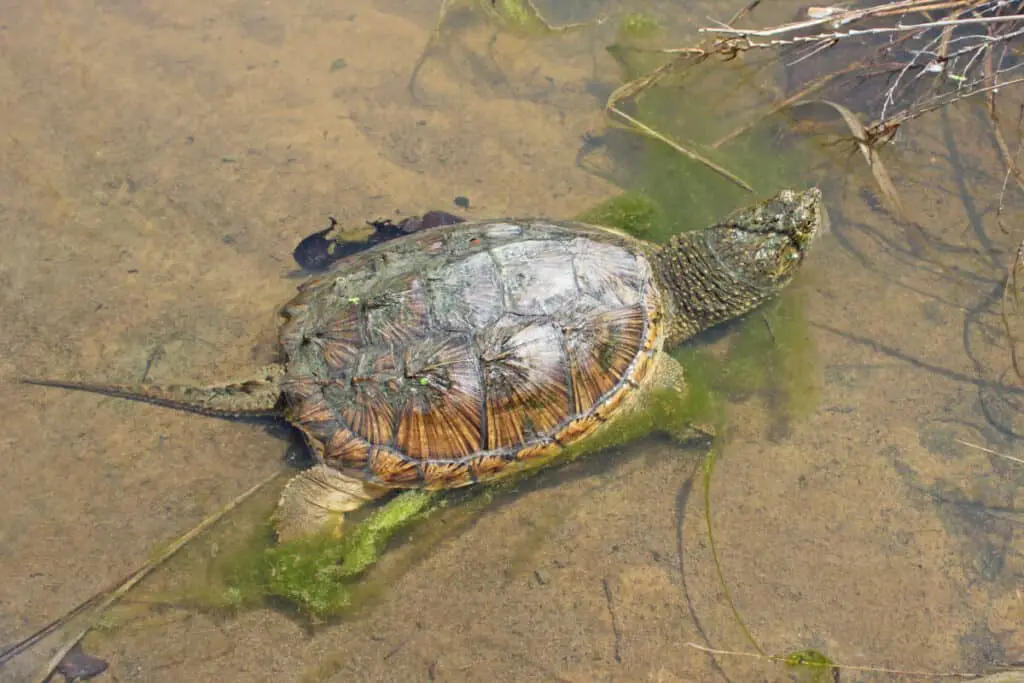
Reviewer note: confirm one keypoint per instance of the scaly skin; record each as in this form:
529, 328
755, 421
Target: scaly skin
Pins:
256, 397
732, 267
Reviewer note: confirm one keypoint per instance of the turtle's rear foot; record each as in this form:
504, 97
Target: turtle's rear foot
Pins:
316, 500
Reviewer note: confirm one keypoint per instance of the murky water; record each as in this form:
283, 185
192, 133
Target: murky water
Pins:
161, 160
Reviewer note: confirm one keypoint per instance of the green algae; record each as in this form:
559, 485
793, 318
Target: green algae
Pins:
774, 358
520, 17
811, 666
635, 33
314, 576
637, 28
314, 573
523, 17
631, 212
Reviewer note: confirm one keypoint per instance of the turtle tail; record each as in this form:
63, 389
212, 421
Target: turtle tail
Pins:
256, 397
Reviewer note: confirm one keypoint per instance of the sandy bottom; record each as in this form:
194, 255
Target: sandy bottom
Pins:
158, 163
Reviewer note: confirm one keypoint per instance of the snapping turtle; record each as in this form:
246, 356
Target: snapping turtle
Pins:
462, 353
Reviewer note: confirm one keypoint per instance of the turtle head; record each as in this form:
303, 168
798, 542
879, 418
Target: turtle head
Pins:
735, 265
762, 246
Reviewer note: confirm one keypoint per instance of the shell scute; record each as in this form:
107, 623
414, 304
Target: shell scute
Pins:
347, 450
485, 467
367, 411
467, 295
392, 468
525, 379
540, 451
442, 412
602, 346
445, 474
399, 314
608, 274
537, 276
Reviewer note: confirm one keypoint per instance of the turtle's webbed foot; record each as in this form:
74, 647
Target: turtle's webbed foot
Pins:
315, 501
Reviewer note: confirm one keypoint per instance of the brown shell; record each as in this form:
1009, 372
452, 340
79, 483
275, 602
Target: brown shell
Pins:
455, 355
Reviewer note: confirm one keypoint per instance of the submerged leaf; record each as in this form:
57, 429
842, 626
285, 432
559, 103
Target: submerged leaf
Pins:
915, 236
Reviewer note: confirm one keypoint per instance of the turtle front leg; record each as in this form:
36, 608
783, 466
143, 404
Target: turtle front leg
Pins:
316, 500
673, 408
662, 404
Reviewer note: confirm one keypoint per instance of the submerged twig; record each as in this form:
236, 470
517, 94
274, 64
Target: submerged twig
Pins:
106, 599
1011, 161
925, 54
990, 451
709, 466
1011, 290
16, 649
915, 236
784, 104
778, 659
839, 35
637, 86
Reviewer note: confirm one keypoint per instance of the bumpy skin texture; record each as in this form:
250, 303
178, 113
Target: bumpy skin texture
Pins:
444, 360
735, 265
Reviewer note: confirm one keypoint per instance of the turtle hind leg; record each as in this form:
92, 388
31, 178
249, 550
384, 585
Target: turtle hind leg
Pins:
259, 396
315, 501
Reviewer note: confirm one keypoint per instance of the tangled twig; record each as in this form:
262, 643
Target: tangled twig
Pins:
899, 61
965, 51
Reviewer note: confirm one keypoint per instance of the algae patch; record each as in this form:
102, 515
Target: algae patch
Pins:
811, 666
774, 358
314, 573
637, 26
632, 212
315, 576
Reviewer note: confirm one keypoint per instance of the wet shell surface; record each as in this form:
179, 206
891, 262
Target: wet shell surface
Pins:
446, 358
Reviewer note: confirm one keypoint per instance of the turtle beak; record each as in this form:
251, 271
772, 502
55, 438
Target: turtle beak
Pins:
807, 216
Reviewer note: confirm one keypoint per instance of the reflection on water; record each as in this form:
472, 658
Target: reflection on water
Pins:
160, 163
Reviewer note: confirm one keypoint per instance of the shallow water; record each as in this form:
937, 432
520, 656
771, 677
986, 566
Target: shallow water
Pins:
161, 160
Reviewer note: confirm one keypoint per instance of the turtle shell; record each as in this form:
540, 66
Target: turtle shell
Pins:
451, 356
